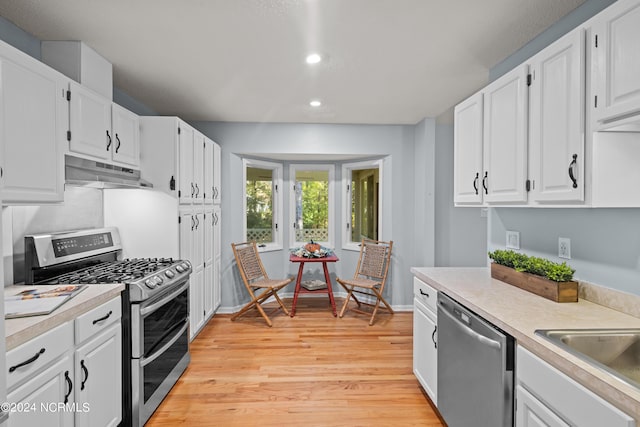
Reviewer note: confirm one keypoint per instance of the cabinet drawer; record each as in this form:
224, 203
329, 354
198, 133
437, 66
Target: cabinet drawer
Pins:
98, 319
573, 402
25, 360
425, 294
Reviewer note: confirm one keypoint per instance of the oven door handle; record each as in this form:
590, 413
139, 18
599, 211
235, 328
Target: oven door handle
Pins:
153, 307
144, 362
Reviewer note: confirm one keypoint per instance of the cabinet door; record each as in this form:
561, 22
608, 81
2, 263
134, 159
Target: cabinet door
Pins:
209, 190
186, 187
425, 353
505, 138
42, 394
198, 167
556, 120
126, 134
186, 226
208, 262
217, 249
530, 412
198, 233
467, 143
33, 123
90, 122
98, 379
616, 61
217, 173
208, 291
196, 302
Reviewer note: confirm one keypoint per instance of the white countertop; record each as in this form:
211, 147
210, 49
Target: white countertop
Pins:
21, 330
520, 313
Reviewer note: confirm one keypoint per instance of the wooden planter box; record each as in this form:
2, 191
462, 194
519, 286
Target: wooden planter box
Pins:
555, 291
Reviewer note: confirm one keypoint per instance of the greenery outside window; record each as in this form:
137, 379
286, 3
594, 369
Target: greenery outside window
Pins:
362, 201
311, 204
262, 201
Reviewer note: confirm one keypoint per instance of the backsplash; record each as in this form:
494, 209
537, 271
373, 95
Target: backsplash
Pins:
82, 208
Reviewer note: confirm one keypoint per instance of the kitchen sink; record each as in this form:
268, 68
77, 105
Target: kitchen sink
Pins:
617, 351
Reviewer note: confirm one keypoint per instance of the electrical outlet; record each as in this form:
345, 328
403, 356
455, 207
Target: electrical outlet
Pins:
513, 239
564, 247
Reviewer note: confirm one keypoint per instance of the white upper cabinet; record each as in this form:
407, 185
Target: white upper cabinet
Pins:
198, 161
505, 138
208, 188
616, 64
186, 184
90, 122
93, 134
490, 143
33, 126
126, 134
467, 138
217, 173
556, 121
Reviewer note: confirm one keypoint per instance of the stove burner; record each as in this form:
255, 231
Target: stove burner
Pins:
124, 271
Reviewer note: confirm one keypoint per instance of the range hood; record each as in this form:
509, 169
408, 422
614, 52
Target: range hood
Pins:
89, 173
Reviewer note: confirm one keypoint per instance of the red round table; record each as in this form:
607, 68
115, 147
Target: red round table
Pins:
301, 290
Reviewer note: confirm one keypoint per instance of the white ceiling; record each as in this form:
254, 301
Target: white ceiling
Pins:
387, 61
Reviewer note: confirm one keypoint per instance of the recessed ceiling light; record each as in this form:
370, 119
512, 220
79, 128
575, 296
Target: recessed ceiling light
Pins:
313, 58
315, 103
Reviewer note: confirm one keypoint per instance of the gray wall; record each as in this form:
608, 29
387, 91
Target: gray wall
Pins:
461, 233
407, 198
605, 243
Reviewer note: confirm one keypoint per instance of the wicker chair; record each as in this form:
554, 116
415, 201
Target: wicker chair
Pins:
370, 277
255, 278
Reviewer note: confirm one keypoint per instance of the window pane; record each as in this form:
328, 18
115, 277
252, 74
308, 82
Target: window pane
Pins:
312, 205
364, 204
259, 193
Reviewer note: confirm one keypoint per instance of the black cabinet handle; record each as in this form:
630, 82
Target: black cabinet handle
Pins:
70, 384
433, 336
105, 317
117, 146
197, 190
172, 183
424, 293
193, 189
484, 182
475, 182
193, 223
108, 140
197, 222
573, 164
28, 361
86, 374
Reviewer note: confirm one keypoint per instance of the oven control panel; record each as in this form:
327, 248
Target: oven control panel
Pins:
80, 244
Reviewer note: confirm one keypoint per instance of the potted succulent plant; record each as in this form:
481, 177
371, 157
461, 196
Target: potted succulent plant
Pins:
537, 275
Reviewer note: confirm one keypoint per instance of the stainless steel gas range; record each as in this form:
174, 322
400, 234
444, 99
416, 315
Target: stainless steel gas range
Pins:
155, 307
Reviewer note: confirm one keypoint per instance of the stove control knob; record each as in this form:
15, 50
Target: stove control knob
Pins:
150, 283
186, 265
170, 274
179, 268
159, 279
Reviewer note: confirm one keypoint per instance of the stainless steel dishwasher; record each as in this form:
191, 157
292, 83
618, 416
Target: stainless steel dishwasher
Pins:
475, 368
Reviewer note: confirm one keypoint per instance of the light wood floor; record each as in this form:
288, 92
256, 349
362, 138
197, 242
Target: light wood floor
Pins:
310, 370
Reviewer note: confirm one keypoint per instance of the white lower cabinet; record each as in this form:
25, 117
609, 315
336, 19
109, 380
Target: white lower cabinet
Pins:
530, 412
36, 401
52, 382
98, 379
425, 329
547, 397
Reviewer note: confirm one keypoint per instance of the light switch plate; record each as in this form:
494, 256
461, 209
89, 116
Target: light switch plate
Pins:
513, 239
